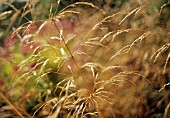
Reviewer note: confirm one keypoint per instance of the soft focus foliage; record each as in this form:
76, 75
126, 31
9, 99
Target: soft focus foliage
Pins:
77, 59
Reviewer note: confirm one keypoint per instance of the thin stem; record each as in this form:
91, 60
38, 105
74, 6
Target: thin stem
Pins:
78, 69
12, 106
97, 109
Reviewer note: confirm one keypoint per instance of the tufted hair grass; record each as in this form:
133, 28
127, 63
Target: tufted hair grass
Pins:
84, 62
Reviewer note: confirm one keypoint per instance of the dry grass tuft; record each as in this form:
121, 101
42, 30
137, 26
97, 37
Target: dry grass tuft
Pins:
84, 62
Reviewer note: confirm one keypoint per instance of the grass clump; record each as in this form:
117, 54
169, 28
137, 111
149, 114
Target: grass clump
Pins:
85, 61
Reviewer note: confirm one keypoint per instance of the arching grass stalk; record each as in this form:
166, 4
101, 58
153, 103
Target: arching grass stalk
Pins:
78, 69
11, 105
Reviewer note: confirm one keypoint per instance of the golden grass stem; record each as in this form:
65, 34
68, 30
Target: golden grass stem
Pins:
166, 111
78, 68
10, 104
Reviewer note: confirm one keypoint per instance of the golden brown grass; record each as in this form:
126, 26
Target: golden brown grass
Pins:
83, 63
